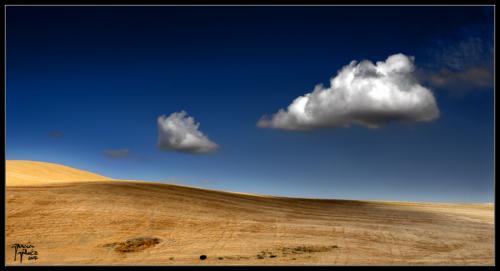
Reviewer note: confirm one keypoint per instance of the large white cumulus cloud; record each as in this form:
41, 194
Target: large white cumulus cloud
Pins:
179, 132
362, 93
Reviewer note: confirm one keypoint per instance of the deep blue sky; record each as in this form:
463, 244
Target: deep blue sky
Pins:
101, 76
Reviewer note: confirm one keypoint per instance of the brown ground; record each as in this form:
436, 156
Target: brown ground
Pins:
127, 222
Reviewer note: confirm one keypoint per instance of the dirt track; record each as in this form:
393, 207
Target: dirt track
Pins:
120, 222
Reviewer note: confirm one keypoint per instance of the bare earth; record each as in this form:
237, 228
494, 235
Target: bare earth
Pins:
76, 217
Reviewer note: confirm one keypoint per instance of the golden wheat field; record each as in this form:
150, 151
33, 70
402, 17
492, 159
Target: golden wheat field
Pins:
73, 217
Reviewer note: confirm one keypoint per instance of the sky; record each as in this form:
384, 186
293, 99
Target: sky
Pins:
375, 103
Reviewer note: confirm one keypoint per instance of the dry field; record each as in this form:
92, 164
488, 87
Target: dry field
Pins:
75, 217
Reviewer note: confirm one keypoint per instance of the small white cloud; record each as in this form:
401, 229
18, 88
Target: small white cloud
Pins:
463, 54
120, 153
362, 93
461, 66
474, 78
56, 134
179, 132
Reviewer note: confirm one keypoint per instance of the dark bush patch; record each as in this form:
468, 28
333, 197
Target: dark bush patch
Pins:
307, 249
134, 245
203, 257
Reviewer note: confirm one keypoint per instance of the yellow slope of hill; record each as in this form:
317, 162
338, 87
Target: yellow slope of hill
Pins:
29, 173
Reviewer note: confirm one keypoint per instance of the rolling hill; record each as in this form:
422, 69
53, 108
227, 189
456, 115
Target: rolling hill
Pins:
72, 216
